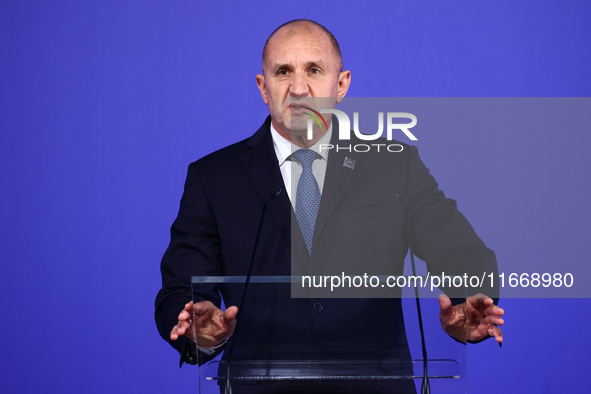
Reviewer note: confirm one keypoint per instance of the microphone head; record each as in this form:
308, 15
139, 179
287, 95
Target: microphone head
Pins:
275, 192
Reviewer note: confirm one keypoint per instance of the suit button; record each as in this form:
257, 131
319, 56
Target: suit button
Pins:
317, 307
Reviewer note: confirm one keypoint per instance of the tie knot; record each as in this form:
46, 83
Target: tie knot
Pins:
305, 157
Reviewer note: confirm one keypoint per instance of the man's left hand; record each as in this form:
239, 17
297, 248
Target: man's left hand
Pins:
472, 320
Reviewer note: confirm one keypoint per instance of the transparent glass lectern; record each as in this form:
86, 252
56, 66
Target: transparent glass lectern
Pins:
270, 347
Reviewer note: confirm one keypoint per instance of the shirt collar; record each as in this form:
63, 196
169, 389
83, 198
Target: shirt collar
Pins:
284, 148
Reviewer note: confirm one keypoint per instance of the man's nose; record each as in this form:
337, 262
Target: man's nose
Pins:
299, 86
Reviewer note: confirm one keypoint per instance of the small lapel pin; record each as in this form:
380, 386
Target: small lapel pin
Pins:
349, 163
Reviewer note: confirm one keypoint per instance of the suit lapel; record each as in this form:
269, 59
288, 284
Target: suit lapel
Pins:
262, 168
336, 181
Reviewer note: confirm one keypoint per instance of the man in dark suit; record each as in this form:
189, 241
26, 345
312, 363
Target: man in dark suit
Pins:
338, 218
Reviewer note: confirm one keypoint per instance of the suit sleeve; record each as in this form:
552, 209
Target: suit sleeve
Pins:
443, 237
194, 250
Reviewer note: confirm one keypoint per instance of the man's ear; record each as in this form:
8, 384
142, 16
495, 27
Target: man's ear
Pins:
344, 82
262, 87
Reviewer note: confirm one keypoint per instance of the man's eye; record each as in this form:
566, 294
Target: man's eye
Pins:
314, 71
282, 72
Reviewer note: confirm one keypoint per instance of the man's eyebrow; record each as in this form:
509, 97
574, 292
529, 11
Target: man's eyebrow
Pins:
315, 63
279, 66
310, 64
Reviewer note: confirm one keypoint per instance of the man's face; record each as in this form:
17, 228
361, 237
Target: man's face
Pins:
300, 65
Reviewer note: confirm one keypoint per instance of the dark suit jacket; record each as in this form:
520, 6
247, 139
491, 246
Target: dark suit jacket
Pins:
360, 225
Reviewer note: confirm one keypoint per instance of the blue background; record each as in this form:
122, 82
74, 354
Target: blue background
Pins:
104, 104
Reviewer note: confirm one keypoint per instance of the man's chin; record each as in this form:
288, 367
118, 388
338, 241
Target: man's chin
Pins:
299, 127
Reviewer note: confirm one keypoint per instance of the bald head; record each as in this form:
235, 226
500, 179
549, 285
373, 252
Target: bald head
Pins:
303, 26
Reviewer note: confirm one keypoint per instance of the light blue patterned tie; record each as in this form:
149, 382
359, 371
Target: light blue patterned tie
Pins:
308, 195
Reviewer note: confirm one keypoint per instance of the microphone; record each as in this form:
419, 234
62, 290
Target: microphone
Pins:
271, 195
425, 386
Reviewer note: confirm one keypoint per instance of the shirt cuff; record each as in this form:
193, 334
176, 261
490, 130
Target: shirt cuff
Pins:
210, 350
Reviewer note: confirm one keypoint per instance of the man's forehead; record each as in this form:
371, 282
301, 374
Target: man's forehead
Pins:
301, 31
293, 43
302, 42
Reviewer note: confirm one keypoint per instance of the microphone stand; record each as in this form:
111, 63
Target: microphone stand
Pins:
270, 196
425, 386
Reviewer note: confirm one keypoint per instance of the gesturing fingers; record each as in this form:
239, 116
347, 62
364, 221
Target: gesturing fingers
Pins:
479, 301
494, 310
488, 320
495, 331
179, 329
173, 333
185, 321
484, 305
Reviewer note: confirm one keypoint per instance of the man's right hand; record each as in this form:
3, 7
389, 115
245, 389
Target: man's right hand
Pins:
205, 323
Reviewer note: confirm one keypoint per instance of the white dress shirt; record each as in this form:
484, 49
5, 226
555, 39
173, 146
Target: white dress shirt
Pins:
291, 172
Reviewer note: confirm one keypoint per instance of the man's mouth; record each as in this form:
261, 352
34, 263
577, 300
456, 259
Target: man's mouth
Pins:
298, 108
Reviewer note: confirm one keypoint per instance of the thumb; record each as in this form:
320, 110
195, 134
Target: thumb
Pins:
444, 305
230, 315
